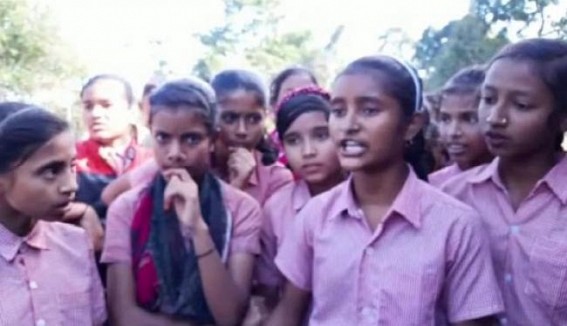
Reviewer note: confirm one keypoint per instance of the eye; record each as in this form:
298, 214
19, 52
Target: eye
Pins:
88, 106
471, 118
522, 106
254, 118
321, 134
487, 98
369, 111
444, 118
229, 117
291, 140
51, 171
161, 138
338, 111
193, 139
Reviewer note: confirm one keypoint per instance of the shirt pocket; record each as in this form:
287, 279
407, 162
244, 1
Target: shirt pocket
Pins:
75, 308
547, 271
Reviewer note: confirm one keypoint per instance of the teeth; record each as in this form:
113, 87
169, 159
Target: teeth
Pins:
351, 147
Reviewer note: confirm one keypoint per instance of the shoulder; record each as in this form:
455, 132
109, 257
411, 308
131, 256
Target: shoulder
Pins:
66, 237
282, 195
459, 184
438, 177
239, 203
326, 205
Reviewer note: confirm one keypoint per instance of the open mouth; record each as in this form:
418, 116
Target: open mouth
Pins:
352, 148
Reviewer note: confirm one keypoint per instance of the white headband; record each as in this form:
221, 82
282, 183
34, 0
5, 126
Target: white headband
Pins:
416, 83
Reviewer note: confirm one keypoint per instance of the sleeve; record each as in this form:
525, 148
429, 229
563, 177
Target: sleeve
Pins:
143, 174
267, 272
247, 219
295, 255
117, 247
471, 290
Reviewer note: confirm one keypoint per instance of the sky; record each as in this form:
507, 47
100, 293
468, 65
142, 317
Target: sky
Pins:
121, 36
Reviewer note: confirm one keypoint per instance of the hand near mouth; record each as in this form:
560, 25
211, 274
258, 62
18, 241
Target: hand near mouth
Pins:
241, 164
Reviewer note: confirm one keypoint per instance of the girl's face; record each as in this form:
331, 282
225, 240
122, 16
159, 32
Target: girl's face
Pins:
106, 111
241, 120
181, 140
367, 125
517, 110
43, 186
460, 131
309, 149
294, 81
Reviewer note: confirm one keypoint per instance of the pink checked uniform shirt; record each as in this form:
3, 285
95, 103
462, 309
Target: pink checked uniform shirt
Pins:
279, 214
437, 178
49, 278
426, 264
264, 181
529, 246
243, 210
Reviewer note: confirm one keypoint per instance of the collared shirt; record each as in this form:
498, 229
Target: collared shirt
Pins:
49, 278
437, 178
263, 182
278, 215
529, 245
427, 262
242, 209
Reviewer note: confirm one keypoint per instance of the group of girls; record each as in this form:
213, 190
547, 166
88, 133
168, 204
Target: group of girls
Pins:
328, 218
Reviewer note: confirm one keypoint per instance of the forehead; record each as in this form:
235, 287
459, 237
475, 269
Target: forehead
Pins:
240, 101
179, 120
59, 148
105, 89
459, 103
358, 85
514, 75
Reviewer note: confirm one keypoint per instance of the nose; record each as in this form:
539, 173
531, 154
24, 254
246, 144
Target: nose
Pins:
497, 116
349, 124
97, 111
69, 185
174, 154
454, 129
308, 150
241, 128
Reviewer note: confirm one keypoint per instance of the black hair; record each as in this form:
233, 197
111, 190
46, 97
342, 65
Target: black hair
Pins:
549, 60
298, 104
229, 81
466, 82
190, 94
401, 82
277, 82
128, 92
24, 131
9, 108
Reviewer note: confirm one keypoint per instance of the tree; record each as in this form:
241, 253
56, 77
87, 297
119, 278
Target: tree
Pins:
30, 56
477, 36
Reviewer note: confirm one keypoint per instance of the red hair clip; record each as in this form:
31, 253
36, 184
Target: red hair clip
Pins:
307, 90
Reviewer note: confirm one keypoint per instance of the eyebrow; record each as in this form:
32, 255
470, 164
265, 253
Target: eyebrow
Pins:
515, 92
51, 164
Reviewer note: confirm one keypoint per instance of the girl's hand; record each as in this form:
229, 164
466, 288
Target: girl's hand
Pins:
241, 164
182, 194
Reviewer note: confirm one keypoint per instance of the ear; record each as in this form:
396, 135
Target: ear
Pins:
416, 123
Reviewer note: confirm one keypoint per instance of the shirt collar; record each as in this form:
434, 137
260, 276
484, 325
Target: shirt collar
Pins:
300, 195
10, 243
407, 203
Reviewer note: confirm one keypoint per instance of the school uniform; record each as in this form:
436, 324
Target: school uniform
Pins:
427, 263
529, 245
437, 178
49, 277
278, 215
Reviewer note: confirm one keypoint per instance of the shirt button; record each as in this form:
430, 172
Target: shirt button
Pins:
33, 285
515, 229
508, 278
40, 322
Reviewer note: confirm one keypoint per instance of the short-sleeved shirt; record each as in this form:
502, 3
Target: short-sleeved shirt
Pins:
278, 215
49, 277
243, 210
427, 263
437, 178
263, 183
529, 245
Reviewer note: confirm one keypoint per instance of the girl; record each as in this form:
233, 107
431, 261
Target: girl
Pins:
37, 163
111, 149
287, 80
181, 249
384, 247
302, 123
458, 124
243, 156
521, 194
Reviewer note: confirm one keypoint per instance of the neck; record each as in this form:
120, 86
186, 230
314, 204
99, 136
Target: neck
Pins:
320, 187
380, 187
14, 221
118, 143
525, 172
